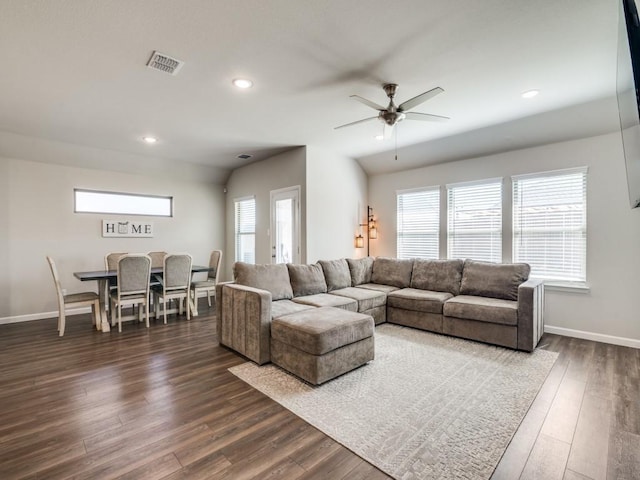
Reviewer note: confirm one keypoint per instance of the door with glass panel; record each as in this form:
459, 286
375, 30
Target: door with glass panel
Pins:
285, 225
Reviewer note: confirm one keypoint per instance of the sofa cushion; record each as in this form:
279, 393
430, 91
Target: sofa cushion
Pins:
336, 273
497, 280
379, 287
328, 300
287, 307
366, 299
273, 278
418, 300
484, 309
322, 330
307, 279
360, 269
437, 275
392, 271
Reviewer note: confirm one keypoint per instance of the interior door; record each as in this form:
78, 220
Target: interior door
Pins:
285, 225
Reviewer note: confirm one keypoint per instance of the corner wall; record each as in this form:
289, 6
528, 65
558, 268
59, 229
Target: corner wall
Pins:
610, 308
280, 171
336, 204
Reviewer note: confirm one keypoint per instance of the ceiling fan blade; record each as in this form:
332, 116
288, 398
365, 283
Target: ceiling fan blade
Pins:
355, 123
423, 97
368, 103
425, 117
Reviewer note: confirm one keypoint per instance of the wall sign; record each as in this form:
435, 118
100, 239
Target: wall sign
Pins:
126, 228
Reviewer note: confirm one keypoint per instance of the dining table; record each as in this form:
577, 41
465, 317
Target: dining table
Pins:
109, 277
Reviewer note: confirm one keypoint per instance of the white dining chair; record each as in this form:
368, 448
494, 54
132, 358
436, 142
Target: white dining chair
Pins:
72, 300
133, 274
208, 285
157, 258
174, 284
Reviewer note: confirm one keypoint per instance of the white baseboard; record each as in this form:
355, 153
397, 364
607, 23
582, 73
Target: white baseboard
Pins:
596, 337
41, 316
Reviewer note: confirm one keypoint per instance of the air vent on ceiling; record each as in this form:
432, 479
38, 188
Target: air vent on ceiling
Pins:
244, 156
165, 63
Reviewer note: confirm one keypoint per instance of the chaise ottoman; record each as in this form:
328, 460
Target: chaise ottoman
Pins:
322, 343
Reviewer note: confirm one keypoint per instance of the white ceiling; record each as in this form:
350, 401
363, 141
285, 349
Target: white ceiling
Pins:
75, 71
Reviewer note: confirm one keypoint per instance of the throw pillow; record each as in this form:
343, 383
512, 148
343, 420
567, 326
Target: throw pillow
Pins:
273, 278
336, 273
360, 270
307, 279
437, 275
497, 280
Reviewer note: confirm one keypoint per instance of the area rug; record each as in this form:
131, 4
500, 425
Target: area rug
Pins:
428, 407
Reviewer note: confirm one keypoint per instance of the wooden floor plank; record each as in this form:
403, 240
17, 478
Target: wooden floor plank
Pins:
160, 403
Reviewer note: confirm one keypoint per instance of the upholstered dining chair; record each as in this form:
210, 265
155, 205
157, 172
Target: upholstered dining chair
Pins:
174, 285
82, 299
133, 274
111, 260
208, 285
157, 258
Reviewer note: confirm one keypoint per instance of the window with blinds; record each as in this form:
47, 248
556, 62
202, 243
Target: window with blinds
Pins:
475, 220
245, 215
550, 224
418, 215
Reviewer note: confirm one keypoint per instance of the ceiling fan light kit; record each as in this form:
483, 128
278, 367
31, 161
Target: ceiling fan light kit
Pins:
393, 114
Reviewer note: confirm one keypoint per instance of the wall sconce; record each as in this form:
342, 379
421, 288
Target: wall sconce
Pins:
372, 230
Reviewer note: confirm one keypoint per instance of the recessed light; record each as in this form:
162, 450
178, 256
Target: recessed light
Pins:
379, 137
530, 93
150, 139
243, 83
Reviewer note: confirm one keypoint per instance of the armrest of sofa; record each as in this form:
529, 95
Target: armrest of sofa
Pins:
530, 314
244, 320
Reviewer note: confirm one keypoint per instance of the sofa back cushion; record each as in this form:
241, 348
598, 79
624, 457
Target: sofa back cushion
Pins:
437, 275
336, 274
273, 278
496, 280
392, 271
307, 279
360, 270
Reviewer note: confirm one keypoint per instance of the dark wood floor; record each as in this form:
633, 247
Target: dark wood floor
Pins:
160, 404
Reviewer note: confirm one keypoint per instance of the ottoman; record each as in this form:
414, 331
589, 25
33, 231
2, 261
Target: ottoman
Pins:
320, 344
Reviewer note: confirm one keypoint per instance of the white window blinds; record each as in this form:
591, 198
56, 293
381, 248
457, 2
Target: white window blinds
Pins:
475, 220
245, 216
418, 215
550, 224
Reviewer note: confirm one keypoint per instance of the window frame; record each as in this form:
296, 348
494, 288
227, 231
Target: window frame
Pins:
76, 191
435, 189
450, 218
580, 283
237, 234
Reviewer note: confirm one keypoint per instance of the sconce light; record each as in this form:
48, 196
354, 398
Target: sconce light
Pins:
372, 230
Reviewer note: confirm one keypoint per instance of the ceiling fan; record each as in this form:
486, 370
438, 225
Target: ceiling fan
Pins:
393, 114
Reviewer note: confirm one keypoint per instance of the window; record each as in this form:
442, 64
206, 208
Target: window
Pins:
92, 201
418, 218
245, 215
550, 224
475, 220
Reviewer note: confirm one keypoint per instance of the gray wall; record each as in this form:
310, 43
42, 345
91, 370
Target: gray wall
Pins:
336, 205
610, 308
259, 179
37, 220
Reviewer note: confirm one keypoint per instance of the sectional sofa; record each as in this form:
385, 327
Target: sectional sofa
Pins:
487, 302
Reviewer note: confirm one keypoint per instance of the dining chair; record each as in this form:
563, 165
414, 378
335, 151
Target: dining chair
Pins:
174, 284
133, 274
208, 285
111, 260
157, 258
81, 299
